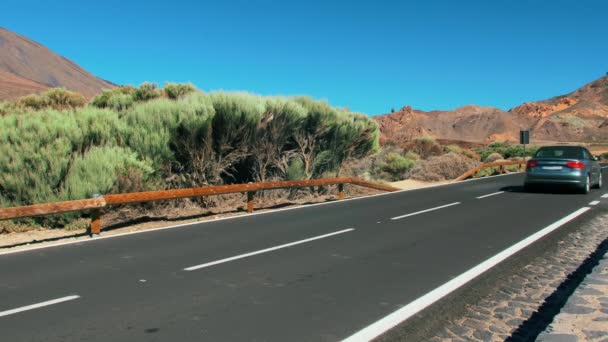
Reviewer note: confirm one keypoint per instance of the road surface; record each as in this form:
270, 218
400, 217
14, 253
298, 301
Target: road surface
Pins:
329, 272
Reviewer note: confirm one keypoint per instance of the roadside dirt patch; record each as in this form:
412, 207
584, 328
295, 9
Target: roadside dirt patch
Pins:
409, 184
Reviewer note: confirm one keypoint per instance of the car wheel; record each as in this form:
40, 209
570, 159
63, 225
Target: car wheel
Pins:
599, 182
586, 186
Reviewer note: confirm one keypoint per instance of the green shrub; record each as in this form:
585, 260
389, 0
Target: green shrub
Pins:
507, 150
397, 166
56, 98
98, 170
40, 148
146, 92
494, 156
295, 171
412, 155
273, 143
119, 98
425, 140
174, 90
153, 128
425, 147
453, 148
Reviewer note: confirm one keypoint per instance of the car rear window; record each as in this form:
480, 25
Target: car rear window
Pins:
566, 152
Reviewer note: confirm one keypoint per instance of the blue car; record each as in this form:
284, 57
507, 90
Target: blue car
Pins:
564, 165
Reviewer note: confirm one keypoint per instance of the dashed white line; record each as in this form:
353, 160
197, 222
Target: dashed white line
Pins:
38, 305
492, 194
197, 267
424, 211
594, 203
383, 325
244, 216
605, 196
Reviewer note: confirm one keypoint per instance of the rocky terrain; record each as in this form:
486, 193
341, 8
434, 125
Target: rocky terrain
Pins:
580, 116
27, 67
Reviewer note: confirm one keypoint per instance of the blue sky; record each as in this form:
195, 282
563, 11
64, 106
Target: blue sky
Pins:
368, 55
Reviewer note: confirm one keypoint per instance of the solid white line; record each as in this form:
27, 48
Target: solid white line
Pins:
383, 325
425, 211
39, 305
192, 268
492, 194
252, 214
594, 203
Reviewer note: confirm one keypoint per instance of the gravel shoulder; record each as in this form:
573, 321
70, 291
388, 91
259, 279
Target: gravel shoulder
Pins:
518, 300
585, 315
522, 306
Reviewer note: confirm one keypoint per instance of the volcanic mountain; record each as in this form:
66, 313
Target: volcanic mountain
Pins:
27, 67
578, 116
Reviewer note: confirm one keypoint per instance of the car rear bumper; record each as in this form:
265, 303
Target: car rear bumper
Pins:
576, 179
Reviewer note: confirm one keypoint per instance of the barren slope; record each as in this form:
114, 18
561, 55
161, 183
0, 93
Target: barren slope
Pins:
12, 86
26, 59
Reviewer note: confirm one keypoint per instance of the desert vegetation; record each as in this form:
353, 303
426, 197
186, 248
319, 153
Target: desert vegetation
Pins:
426, 159
58, 147
142, 138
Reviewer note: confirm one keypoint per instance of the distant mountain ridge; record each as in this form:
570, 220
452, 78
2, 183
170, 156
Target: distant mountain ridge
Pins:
580, 116
28, 67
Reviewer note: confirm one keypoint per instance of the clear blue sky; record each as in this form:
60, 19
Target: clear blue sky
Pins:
367, 55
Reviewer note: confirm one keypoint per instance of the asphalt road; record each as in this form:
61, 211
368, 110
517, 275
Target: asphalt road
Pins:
315, 273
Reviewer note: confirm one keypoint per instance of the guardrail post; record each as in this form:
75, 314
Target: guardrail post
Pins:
341, 191
95, 228
250, 201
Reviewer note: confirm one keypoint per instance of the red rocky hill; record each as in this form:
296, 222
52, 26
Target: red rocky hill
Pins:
580, 116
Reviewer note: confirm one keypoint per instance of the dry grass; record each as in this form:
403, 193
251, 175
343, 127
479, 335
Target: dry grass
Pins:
445, 167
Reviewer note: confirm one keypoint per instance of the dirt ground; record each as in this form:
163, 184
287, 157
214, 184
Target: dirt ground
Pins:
414, 184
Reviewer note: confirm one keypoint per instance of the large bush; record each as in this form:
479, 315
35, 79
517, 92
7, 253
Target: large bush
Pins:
39, 148
137, 138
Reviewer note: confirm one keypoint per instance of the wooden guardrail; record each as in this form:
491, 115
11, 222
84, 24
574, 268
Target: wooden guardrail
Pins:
96, 204
521, 165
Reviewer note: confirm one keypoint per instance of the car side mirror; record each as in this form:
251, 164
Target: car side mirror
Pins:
596, 158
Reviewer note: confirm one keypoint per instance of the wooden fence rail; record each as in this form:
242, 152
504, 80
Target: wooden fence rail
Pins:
521, 165
96, 204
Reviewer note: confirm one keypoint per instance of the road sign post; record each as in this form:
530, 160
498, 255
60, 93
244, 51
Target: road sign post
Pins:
524, 138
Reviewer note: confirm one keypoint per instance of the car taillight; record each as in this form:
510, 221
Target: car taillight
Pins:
575, 165
532, 163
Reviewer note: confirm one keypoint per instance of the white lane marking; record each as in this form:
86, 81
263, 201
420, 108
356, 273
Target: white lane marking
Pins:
594, 203
39, 305
192, 268
605, 196
252, 214
383, 325
425, 211
492, 194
